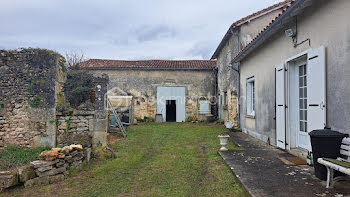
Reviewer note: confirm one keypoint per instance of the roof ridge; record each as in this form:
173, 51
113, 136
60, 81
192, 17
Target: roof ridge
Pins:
150, 60
241, 20
289, 5
148, 64
281, 3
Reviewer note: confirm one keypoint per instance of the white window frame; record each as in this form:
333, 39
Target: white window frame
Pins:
250, 95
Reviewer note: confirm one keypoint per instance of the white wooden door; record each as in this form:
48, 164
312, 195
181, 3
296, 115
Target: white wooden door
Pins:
280, 107
165, 93
316, 90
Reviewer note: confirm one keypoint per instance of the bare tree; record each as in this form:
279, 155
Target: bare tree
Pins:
73, 59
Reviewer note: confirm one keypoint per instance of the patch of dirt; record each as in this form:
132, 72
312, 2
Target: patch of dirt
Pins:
113, 139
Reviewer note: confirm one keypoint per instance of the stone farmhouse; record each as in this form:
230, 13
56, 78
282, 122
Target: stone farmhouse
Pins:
176, 89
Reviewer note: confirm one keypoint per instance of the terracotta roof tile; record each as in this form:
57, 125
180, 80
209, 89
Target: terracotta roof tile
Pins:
148, 64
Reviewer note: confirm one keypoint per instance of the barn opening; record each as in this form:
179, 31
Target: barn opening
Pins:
171, 110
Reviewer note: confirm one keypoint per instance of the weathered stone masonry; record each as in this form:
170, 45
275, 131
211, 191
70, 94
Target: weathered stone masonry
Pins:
31, 81
28, 82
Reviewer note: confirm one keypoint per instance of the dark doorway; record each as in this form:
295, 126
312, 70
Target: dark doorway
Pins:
170, 110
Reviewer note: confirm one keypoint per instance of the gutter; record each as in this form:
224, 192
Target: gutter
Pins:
240, 55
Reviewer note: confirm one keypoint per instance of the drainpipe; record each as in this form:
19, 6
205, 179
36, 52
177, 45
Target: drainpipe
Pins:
215, 91
239, 81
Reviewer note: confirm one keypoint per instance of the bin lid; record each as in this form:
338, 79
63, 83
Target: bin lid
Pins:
326, 133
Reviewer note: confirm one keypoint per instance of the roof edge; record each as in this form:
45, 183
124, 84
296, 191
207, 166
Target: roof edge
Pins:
266, 30
243, 20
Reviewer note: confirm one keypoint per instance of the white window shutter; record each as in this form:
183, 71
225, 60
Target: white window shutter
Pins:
280, 107
316, 89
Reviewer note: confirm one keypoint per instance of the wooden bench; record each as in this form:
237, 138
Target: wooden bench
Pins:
341, 164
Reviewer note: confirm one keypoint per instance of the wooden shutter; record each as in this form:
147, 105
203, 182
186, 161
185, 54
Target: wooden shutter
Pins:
316, 89
280, 107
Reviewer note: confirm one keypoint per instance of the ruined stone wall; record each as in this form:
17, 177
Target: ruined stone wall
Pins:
28, 84
75, 128
142, 85
83, 126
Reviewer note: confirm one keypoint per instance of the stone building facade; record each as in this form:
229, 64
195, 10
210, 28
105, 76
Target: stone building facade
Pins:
237, 37
141, 80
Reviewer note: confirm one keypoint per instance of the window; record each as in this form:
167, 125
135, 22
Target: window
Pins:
302, 98
251, 96
204, 106
225, 100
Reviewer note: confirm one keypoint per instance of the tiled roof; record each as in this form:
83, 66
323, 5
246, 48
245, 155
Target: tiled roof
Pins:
261, 11
149, 64
244, 19
267, 27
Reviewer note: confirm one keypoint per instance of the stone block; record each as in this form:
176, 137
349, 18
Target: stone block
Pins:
56, 178
87, 156
48, 155
98, 139
74, 153
40, 163
26, 172
8, 179
69, 159
37, 181
51, 172
77, 147
45, 168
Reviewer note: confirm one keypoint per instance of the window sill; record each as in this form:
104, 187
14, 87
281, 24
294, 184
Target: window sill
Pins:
250, 116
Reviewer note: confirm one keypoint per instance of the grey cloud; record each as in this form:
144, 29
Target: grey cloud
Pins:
154, 32
203, 49
119, 29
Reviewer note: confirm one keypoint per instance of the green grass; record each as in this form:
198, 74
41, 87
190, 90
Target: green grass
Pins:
168, 159
12, 156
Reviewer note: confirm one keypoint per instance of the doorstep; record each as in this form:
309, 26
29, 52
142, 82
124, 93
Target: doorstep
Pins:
260, 170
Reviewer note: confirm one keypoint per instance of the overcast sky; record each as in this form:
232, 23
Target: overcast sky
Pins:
122, 29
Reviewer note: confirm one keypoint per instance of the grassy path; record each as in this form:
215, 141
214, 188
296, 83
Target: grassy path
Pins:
170, 159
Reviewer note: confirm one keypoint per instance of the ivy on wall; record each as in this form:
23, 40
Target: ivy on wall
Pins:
78, 87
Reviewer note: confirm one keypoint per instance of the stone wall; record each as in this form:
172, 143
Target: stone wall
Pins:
75, 128
29, 80
53, 165
82, 126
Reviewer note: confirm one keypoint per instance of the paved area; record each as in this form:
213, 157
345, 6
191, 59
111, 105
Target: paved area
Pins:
261, 171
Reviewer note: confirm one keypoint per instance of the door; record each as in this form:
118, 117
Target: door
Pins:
303, 135
165, 93
171, 110
316, 90
280, 107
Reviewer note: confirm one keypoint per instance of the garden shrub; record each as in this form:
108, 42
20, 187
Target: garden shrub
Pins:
78, 87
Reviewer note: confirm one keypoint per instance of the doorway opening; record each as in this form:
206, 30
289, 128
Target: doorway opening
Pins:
170, 110
297, 102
